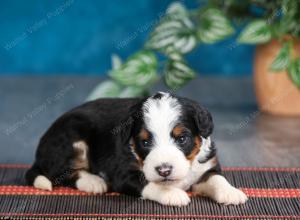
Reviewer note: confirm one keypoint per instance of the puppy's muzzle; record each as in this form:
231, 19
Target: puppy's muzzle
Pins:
164, 170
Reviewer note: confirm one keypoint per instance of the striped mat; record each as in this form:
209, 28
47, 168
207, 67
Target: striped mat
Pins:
274, 193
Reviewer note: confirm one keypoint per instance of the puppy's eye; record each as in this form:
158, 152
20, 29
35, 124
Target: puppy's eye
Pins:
146, 143
181, 140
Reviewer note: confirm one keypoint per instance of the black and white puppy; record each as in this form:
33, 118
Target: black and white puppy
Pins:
156, 148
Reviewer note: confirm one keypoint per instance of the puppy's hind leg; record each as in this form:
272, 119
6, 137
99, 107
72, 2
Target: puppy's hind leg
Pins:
86, 181
64, 163
39, 181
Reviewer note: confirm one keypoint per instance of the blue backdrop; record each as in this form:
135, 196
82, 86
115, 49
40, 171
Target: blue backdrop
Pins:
78, 37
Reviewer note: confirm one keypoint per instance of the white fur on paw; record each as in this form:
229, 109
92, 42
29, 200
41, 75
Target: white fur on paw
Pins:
42, 182
171, 196
91, 183
218, 188
230, 196
174, 197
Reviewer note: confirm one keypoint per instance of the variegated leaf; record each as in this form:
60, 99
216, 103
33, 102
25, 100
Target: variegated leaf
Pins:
132, 91
116, 61
177, 74
282, 60
173, 54
214, 26
105, 89
176, 8
138, 70
257, 32
176, 30
294, 72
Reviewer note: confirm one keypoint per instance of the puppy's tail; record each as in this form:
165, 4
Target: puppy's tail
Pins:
35, 178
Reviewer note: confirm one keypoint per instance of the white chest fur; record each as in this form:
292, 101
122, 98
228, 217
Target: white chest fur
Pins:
198, 169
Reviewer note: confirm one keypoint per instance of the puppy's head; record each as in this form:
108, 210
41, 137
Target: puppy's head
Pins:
166, 136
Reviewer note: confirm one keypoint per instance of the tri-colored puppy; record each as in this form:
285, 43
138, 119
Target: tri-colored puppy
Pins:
156, 148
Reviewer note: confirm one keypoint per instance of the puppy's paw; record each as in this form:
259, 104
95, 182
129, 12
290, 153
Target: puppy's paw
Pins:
218, 189
171, 196
174, 197
91, 183
229, 196
42, 182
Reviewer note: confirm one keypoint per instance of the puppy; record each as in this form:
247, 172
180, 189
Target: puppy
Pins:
156, 148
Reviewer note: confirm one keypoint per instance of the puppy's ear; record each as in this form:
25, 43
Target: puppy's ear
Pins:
203, 121
201, 116
128, 124
126, 129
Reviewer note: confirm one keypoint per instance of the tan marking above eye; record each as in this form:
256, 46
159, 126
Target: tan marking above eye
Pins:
196, 149
178, 130
144, 134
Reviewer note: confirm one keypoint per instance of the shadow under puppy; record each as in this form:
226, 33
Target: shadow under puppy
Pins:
156, 148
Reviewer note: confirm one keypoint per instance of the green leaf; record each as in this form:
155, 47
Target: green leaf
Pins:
177, 73
116, 61
257, 32
214, 26
294, 72
138, 70
282, 60
175, 30
132, 91
177, 33
289, 21
105, 89
289, 7
173, 54
178, 9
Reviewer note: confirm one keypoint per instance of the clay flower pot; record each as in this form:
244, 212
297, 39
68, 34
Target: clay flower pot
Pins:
275, 92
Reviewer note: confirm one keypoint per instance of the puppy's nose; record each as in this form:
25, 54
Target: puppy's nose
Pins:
164, 170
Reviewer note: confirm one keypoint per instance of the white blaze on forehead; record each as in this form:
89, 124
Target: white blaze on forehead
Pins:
161, 114
160, 117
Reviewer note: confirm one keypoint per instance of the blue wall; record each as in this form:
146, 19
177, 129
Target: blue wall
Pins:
76, 36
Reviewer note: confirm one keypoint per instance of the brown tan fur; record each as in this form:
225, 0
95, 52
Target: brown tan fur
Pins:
195, 150
144, 134
177, 131
139, 160
80, 162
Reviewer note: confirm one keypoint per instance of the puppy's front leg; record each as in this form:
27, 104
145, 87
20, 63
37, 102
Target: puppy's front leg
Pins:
219, 189
166, 195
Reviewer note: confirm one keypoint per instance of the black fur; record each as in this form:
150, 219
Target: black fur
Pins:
200, 116
107, 126
95, 123
212, 171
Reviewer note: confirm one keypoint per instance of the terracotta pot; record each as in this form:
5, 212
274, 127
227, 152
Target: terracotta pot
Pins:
275, 92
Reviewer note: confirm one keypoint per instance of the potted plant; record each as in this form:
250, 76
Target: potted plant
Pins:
272, 25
